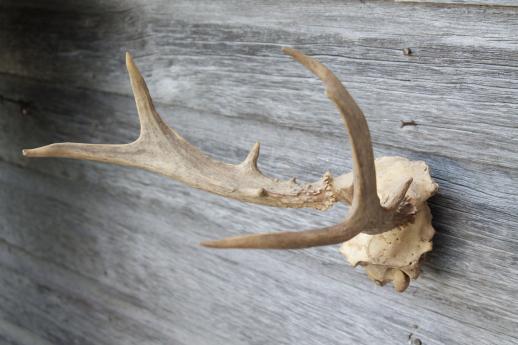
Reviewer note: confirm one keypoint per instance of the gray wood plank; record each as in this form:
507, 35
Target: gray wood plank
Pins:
468, 2
463, 72
92, 253
207, 295
13, 334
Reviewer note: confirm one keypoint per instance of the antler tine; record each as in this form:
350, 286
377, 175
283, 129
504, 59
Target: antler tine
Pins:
366, 213
150, 120
161, 149
364, 191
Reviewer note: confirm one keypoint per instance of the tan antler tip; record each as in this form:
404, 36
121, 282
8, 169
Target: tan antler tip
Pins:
253, 156
212, 244
43, 151
310, 63
288, 50
132, 68
399, 194
129, 58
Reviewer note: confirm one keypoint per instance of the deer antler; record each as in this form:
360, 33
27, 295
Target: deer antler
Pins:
387, 245
161, 149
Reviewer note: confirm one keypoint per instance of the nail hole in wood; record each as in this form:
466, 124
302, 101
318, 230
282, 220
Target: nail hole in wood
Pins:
408, 123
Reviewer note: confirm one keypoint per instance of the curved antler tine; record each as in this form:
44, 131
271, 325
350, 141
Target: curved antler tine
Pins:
365, 191
150, 120
287, 240
366, 203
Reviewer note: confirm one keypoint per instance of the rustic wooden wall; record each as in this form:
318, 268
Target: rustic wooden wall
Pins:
98, 254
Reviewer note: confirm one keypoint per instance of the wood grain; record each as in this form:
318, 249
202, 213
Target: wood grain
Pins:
95, 254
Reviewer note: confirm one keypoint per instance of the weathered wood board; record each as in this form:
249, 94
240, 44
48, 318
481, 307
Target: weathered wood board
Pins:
468, 2
97, 254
